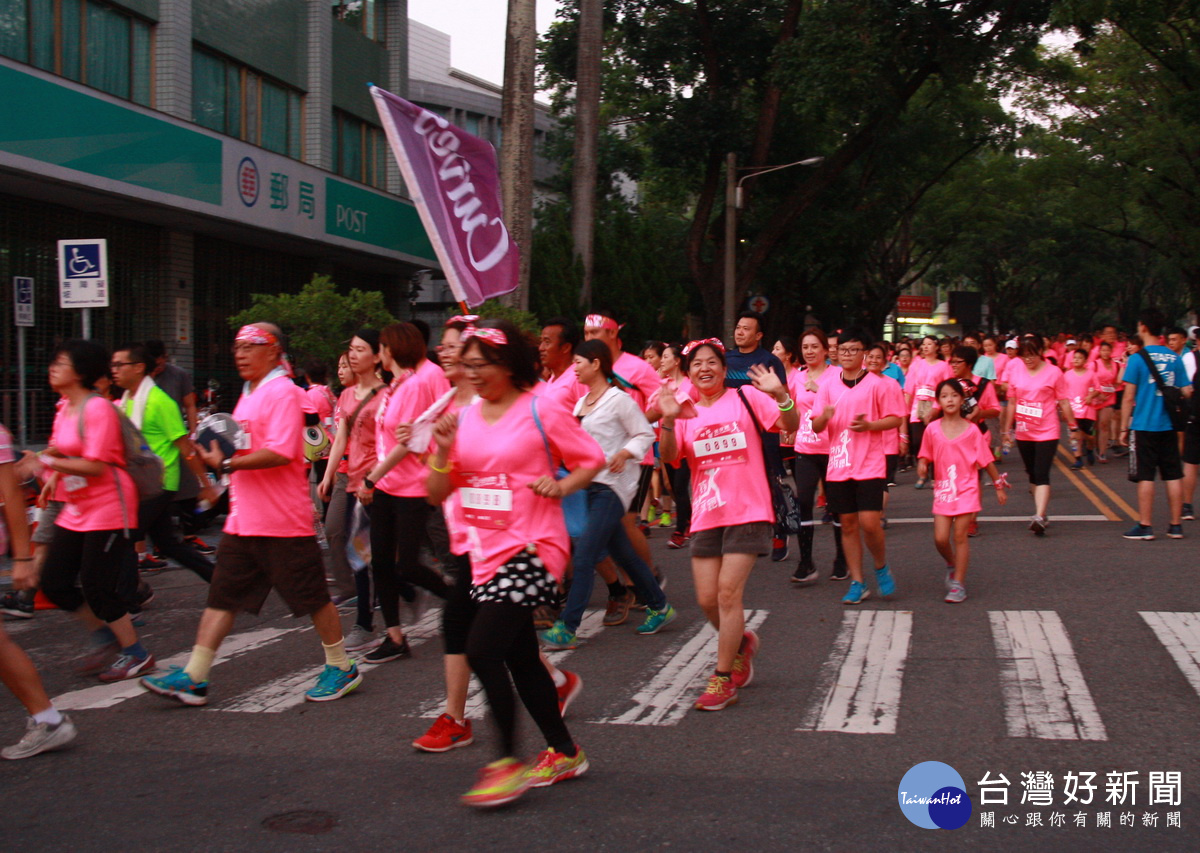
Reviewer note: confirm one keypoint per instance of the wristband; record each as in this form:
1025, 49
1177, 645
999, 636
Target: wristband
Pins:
666, 428
788, 406
433, 466
1001, 482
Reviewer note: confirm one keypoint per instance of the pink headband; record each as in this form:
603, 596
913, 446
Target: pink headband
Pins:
469, 319
714, 342
495, 337
599, 321
256, 335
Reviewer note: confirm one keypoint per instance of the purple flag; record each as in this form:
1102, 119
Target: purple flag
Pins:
454, 183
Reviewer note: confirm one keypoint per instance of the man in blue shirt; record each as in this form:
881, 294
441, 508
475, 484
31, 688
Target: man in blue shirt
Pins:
1153, 442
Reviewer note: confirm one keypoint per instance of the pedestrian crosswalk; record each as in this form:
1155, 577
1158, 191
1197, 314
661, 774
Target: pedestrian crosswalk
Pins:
858, 689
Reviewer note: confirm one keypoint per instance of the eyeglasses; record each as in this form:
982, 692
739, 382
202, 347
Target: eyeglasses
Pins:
245, 346
122, 363
957, 361
849, 350
474, 366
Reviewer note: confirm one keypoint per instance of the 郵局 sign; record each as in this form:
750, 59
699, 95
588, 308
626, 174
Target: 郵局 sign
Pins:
914, 306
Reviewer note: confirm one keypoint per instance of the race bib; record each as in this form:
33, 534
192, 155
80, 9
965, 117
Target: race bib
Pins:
924, 393
1108, 389
1029, 415
487, 500
242, 442
723, 444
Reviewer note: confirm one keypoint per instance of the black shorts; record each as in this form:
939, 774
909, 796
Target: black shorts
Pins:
1191, 443
1087, 426
851, 496
1038, 457
249, 567
1151, 452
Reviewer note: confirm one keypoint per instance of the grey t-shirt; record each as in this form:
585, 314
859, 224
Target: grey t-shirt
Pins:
177, 382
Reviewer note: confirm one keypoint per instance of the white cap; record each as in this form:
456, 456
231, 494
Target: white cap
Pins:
1194, 331
1011, 343
1070, 341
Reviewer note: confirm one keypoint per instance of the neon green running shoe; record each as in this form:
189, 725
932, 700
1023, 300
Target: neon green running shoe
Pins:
500, 782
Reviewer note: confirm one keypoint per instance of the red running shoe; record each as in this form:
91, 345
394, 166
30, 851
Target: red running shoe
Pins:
743, 663
719, 693
444, 735
678, 539
568, 692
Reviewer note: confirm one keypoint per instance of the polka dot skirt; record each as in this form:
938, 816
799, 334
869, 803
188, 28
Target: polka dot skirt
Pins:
522, 580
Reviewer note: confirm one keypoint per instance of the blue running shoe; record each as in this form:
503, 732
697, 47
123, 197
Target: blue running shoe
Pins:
885, 581
857, 594
558, 637
334, 683
1140, 531
177, 684
656, 620
1175, 531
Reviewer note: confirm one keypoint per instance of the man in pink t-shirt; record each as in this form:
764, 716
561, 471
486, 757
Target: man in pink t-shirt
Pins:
857, 409
269, 539
556, 348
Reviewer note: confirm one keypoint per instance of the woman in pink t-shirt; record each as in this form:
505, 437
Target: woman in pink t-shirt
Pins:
501, 454
92, 539
958, 450
894, 440
394, 489
1083, 392
1108, 380
1035, 391
354, 443
670, 368
732, 513
919, 390
812, 453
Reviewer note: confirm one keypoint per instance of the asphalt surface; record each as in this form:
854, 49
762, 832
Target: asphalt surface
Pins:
146, 774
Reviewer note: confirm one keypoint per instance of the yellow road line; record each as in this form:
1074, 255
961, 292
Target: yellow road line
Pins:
1117, 500
1086, 492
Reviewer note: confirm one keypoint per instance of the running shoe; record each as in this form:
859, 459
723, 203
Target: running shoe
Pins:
949, 576
779, 549
568, 691
98, 659
827, 518
719, 693
1038, 525
957, 593
177, 684
388, 650
883, 522
973, 529
617, 609
334, 683
1189, 514
127, 666
144, 595
805, 573
544, 616
1140, 531
17, 604
559, 637
644, 527
444, 735
665, 520
857, 594
920, 484
553, 766
500, 782
743, 661
200, 545
41, 737
840, 572
885, 581
1175, 531
1078, 466
656, 620
151, 565
360, 639
678, 539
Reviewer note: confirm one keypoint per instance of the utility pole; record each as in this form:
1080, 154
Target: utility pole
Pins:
587, 130
730, 245
516, 148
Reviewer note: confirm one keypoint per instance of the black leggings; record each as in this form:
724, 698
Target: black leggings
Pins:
502, 643
681, 484
1038, 456
810, 470
96, 558
397, 526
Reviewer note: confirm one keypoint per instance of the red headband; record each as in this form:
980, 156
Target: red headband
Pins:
714, 342
599, 321
252, 334
495, 337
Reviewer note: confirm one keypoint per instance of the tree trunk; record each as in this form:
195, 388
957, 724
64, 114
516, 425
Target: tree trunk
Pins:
516, 149
587, 117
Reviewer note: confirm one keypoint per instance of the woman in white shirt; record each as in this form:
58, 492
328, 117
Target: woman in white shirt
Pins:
619, 426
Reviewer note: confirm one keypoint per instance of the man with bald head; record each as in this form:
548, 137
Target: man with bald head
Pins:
269, 540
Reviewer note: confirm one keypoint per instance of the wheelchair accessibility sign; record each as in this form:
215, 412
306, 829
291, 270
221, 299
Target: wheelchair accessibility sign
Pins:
83, 273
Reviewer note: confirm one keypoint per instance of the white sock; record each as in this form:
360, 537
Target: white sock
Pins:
50, 716
559, 678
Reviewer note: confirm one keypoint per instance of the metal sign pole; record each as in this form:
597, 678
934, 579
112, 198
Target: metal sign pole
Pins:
87, 324
22, 409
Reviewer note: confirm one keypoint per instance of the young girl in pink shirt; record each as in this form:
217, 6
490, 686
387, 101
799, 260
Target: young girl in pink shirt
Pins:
957, 450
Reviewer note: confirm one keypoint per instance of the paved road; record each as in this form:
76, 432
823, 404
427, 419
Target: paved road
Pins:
1075, 653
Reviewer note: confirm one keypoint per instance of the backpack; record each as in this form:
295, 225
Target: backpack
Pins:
144, 467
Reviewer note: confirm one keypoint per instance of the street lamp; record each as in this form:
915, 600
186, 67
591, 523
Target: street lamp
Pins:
733, 203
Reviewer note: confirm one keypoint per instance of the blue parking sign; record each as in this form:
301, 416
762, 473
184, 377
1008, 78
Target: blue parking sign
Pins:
83, 273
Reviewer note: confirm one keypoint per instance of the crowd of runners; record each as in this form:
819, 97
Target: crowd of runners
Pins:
502, 473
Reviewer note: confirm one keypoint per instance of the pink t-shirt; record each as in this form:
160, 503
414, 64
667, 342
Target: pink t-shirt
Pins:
564, 389
922, 382
6, 456
1118, 352
645, 379
1079, 388
93, 503
360, 443
493, 467
856, 455
956, 463
724, 452
897, 406
401, 405
808, 441
271, 501
1000, 362
1035, 397
323, 403
1106, 381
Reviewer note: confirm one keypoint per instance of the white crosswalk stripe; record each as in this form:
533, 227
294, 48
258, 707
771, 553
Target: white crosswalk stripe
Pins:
591, 624
667, 696
1180, 634
1045, 695
859, 686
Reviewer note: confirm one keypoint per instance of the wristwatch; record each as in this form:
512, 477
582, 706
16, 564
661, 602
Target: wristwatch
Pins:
227, 466
368, 482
